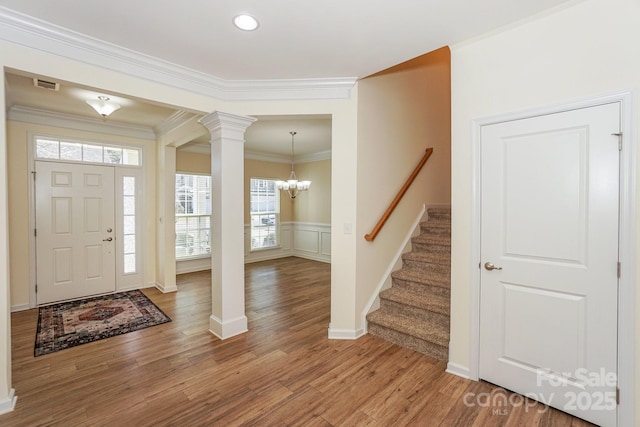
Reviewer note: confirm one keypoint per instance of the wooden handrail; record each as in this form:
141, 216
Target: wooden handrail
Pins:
385, 216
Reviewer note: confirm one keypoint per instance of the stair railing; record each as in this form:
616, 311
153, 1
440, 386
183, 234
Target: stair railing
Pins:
385, 216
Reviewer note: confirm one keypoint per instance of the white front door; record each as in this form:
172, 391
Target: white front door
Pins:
75, 240
549, 258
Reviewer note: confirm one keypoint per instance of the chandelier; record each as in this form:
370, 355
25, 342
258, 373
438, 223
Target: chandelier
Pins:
292, 186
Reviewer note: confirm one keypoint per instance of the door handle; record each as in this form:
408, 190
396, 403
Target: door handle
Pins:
489, 266
108, 239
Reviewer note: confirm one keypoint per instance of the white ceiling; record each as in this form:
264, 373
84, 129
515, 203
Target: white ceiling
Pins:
295, 40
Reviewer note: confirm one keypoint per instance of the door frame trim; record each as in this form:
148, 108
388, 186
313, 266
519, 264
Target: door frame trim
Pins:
626, 239
31, 159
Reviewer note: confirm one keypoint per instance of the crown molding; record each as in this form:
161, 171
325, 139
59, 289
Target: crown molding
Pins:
251, 155
265, 157
37, 34
313, 157
36, 116
176, 120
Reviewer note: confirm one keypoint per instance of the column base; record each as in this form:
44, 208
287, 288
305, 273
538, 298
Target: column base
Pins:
229, 328
8, 403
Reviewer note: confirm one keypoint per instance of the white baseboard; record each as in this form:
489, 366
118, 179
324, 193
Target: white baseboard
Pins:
228, 329
266, 256
193, 265
165, 290
345, 334
8, 403
313, 257
19, 307
459, 370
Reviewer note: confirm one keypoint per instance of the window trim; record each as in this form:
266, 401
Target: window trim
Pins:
187, 215
276, 213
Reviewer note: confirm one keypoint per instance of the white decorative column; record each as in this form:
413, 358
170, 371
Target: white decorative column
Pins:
227, 222
7, 394
166, 227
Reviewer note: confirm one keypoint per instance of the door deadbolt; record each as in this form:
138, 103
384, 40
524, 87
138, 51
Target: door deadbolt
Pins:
109, 230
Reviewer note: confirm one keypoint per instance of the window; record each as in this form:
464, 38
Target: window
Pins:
53, 149
193, 215
265, 213
129, 223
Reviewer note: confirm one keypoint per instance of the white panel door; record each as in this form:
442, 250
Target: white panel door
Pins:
549, 254
75, 242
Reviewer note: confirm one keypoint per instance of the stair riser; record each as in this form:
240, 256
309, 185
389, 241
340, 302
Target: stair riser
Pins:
425, 289
439, 216
417, 313
434, 350
432, 248
426, 266
431, 229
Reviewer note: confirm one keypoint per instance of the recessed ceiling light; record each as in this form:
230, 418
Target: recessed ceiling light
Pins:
245, 22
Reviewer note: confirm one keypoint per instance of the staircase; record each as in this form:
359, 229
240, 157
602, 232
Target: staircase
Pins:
414, 312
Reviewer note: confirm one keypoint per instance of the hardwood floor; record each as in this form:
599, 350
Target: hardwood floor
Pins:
284, 371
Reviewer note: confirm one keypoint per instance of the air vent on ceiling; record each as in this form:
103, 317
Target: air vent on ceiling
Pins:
44, 84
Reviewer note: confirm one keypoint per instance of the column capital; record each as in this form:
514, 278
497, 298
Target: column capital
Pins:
225, 125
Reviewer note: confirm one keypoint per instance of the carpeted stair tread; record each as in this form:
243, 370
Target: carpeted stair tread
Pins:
439, 214
435, 278
437, 225
427, 348
407, 325
431, 303
432, 239
432, 258
435, 230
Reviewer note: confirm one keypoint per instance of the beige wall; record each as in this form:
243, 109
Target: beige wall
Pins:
312, 206
401, 112
584, 50
18, 134
187, 161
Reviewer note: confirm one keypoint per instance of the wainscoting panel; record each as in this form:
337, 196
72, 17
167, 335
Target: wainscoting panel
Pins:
286, 238
301, 239
312, 241
325, 243
306, 240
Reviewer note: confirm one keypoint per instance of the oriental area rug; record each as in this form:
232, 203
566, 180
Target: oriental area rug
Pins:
73, 323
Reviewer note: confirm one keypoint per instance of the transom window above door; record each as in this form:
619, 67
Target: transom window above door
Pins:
87, 152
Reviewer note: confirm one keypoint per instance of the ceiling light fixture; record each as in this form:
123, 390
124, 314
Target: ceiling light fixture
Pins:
245, 22
103, 106
292, 186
